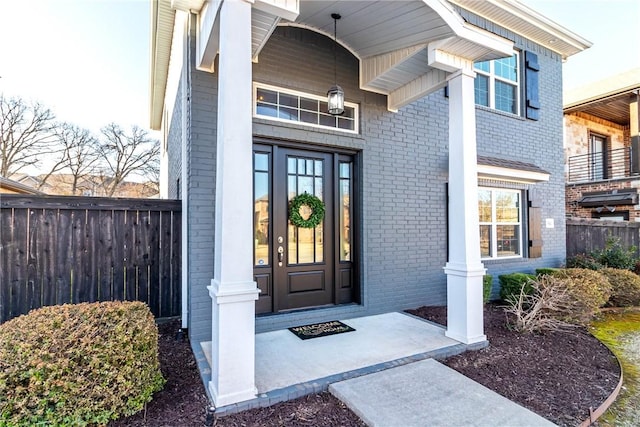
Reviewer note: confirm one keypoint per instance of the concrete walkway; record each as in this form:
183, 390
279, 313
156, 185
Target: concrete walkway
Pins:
427, 393
384, 371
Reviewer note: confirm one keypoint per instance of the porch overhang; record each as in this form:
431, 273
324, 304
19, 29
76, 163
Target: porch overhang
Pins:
400, 45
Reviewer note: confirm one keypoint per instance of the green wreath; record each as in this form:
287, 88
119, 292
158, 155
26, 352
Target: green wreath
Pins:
316, 206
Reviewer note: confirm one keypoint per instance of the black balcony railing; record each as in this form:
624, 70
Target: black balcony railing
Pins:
600, 166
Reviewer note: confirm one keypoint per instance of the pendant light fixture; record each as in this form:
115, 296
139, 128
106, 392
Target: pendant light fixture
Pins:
335, 95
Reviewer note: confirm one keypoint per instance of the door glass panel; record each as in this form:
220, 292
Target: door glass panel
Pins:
306, 245
261, 224
344, 209
319, 252
305, 185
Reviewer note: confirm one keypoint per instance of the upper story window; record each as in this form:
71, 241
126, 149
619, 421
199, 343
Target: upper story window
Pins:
497, 84
275, 103
500, 223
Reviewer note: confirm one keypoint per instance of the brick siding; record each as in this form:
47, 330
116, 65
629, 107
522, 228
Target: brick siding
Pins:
404, 158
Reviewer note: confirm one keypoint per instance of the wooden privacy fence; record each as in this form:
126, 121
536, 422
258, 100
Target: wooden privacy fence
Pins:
56, 250
587, 235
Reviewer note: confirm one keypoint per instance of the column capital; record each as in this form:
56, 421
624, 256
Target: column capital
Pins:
468, 72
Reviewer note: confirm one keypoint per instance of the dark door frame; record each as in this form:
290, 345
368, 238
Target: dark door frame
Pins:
346, 274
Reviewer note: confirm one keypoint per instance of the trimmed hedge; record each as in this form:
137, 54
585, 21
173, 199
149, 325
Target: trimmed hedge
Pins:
549, 271
512, 284
487, 285
78, 364
625, 287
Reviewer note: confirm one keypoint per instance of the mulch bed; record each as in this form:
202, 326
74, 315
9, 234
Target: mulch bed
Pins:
557, 375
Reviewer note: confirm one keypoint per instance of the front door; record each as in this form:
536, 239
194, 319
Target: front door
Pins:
298, 267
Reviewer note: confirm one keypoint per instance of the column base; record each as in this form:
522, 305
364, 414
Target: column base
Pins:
233, 342
465, 320
220, 400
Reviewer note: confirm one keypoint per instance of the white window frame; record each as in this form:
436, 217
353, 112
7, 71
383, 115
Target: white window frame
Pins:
256, 86
494, 224
492, 84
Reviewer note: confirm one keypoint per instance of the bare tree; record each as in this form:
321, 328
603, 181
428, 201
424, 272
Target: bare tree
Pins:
26, 132
78, 154
123, 154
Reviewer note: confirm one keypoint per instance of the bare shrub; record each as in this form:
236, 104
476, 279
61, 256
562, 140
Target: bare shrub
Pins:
545, 308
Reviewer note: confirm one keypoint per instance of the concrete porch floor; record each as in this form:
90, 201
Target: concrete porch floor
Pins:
288, 367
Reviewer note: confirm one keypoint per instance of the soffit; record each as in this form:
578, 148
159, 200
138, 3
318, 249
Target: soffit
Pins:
162, 21
608, 98
528, 23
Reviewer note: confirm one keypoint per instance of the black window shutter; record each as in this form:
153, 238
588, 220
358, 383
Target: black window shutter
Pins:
532, 88
535, 226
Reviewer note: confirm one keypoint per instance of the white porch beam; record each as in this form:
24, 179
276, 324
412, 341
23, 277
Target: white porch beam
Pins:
433, 80
232, 289
464, 269
443, 60
208, 36
285, 9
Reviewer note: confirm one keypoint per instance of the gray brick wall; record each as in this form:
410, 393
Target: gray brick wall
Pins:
404, 159
539, 142
174, 147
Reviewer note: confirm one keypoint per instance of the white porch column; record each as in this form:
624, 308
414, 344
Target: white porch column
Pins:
464, 269
232, 289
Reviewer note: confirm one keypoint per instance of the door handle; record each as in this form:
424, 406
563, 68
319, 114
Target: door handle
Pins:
280, 255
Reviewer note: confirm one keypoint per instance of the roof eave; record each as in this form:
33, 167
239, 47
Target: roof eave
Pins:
558, 38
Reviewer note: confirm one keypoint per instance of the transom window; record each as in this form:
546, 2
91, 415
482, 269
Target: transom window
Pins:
275, 103
500, 223
497, 84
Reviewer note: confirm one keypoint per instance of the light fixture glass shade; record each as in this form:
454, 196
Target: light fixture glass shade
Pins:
335, 100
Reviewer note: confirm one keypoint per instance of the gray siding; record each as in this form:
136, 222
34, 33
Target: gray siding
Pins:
174, 147
403, 178
539, 142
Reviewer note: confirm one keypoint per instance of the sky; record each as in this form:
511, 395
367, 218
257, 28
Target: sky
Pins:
88, 60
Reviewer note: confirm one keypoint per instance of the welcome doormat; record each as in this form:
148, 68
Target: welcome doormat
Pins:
318, 330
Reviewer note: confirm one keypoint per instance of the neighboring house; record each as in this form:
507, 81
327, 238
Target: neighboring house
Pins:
8, 186
447, 161
602, 148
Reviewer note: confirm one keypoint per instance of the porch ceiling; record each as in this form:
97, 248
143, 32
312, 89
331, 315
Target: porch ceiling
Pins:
400, 44
406, 48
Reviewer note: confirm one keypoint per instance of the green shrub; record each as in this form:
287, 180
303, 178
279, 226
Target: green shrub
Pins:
487, 284
549, 271
614, 255
511, 285
588, 288
584, 261
625, 287
78, 364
